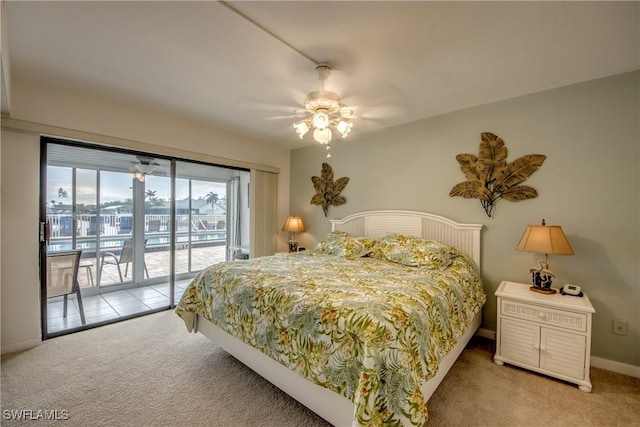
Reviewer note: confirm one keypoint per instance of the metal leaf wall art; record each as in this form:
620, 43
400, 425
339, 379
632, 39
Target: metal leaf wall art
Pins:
490, 178
328, 191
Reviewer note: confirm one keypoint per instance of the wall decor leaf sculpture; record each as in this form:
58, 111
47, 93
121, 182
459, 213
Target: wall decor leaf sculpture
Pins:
328, 191
490, 177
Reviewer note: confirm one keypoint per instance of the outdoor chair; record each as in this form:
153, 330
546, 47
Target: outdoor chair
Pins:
62, 278
125, 257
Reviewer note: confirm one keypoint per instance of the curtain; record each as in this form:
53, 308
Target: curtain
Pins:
234, 215
264, 205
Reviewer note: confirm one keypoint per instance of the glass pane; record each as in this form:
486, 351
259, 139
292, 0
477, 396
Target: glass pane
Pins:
115, 228
86, 192
60, 208
157, 226
183, 244
203, 215
209, 223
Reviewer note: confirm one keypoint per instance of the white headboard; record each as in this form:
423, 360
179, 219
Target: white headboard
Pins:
465, 237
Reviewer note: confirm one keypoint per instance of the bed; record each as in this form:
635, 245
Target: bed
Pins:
361, 331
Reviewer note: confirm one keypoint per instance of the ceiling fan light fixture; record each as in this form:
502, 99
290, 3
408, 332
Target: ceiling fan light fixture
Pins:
344, 127
323, 136
139, 176
321, 119
302, 127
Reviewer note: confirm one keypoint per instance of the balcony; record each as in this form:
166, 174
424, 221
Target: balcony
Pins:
105, 296
106, 305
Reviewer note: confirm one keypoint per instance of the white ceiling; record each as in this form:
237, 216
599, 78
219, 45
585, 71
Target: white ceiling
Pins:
394, 62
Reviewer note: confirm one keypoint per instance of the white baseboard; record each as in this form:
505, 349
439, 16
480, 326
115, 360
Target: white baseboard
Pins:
486, 333
612, 365
596, 362
20, 345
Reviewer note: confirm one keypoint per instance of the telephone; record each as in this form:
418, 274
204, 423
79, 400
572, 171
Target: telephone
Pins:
573, 290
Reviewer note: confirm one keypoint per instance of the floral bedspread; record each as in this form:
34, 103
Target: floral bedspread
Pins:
366, 328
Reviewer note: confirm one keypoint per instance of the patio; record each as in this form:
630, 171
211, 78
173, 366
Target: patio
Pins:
157, 264
102, 304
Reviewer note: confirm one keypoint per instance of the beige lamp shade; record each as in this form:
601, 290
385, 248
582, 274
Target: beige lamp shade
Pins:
293, 224
545, 239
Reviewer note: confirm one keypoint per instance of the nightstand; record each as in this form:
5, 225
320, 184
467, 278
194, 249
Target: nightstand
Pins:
549, 334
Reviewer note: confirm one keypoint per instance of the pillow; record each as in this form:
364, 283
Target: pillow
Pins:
341, 243
415, 252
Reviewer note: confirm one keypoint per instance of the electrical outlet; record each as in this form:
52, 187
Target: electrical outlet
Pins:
619, 327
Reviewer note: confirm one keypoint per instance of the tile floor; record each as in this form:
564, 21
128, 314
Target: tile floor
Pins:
157, 264
109, 306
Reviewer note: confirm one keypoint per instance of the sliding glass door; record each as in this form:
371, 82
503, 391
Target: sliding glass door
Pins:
206, 217
141, 227
111, 233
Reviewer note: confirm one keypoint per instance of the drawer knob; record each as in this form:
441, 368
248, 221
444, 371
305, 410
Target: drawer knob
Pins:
542, 315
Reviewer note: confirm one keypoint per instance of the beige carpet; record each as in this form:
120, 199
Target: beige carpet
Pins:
150, 372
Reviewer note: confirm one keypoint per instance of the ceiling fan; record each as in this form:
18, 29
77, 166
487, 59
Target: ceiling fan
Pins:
143, 167
323, 111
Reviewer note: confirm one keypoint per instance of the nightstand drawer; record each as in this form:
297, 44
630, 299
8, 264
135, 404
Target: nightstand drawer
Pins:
548, 316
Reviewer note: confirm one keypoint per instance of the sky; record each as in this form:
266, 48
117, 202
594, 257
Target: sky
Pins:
117, 186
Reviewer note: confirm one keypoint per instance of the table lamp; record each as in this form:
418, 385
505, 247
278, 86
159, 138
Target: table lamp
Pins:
544, 239
293, 224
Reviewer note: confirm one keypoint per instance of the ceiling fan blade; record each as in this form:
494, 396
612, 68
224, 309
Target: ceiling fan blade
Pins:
293, 116
380, 101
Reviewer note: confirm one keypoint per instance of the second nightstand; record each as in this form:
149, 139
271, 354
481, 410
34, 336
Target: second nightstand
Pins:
549, 334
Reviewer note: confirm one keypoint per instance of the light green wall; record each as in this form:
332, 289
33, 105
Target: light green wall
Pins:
589, 184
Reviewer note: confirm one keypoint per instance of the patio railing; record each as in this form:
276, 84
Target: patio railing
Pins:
61, 225
201, 229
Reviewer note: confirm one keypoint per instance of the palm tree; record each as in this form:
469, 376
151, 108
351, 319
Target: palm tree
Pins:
211, 199
150, 194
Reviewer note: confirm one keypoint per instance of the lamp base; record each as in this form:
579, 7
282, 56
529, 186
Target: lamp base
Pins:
541, 280
543, 291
